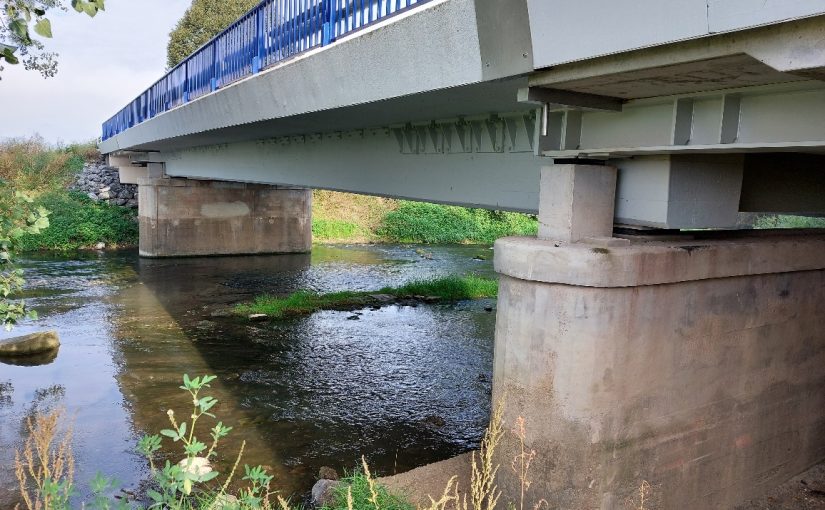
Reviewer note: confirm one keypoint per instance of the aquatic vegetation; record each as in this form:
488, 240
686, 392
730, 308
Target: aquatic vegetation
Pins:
450, 288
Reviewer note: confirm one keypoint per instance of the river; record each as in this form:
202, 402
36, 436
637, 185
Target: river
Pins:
403, 385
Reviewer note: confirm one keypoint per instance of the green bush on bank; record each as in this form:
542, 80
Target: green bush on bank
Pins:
787, 221
77, 222
420, 222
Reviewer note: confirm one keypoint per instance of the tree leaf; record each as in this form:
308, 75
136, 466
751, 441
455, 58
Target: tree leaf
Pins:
19, 28
90, 9
44, 28
8, 55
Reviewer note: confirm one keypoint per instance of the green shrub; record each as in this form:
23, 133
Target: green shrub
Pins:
420, 222
78, 222
787, 221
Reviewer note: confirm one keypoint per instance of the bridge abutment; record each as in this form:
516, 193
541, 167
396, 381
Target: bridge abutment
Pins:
182, 217
692, 363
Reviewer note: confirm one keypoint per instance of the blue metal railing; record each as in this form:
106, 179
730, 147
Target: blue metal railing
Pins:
271, 32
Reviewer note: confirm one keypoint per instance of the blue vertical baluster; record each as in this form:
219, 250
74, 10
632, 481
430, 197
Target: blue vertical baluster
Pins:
213, 79
302, 24
259, 41
279, 25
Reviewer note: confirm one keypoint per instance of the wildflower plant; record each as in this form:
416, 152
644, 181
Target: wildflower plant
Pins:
185, 484
45, 466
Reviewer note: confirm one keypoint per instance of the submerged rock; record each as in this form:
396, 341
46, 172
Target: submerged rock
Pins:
28, 345
31, 360
435, 421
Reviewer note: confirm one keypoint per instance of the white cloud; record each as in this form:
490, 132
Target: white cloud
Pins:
105, 62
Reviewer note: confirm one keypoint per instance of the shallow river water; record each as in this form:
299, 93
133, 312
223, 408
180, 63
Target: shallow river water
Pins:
403, 386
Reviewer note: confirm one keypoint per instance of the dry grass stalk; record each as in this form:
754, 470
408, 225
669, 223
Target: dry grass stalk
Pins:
521, 462
484, 493
449, 496
282, 503
644, 492
371, 483
46, 458
349, 498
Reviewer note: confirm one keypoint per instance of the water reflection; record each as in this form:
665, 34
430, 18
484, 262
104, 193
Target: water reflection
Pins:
403, 385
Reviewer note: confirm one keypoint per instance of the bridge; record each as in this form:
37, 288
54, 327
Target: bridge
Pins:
641, 335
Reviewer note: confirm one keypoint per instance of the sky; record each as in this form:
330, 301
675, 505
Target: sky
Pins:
104, 63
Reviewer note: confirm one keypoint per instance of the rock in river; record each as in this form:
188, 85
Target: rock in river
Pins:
27, 345
323, 492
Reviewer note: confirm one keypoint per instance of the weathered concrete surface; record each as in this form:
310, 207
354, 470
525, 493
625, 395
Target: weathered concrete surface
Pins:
420, 484
699, 371
180, 217
31, 344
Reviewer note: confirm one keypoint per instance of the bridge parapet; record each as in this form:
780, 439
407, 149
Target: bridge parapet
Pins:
272, 31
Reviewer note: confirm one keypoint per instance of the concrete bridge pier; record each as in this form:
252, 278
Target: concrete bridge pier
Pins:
183, 217
694, 363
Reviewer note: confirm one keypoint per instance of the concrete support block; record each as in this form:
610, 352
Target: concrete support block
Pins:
576, 202
180, 217
696, 366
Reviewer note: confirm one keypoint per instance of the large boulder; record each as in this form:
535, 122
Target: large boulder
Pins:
28, 345
323, 493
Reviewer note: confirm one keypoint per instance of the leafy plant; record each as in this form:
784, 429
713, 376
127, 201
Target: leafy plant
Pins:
22, 20
79, 222
18, 217
184, 485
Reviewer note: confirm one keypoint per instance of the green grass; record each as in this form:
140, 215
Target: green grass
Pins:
336, 230
419, 222
78, 222
359, 485
787, 221
450, 288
